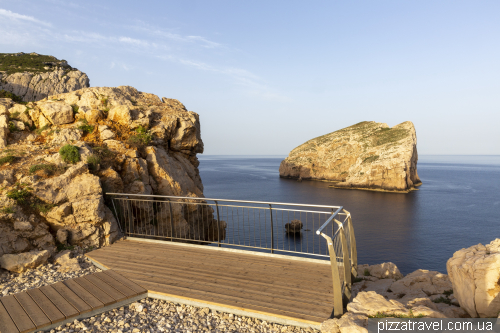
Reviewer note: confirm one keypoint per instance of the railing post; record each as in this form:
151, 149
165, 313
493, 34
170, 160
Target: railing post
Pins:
354, 251
338, 306
117, 217
346, 260
218, 224
171, 221
272, 229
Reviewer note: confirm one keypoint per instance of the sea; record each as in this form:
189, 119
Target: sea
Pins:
457, 206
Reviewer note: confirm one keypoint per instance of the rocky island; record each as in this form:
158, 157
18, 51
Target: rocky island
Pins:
32, 76
368, 155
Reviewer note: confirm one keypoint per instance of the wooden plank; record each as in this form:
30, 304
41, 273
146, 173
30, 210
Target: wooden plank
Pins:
36, 314
6, 322
90, 299
72, 298
308, 279
130, 284
98, 293
236, 294
310, 282
17, 313
60, 302
232, 302
117, 285
266, 288
107, 288
46, 305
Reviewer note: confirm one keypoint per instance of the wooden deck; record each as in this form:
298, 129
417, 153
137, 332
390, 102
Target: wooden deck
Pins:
260, 285
65, 301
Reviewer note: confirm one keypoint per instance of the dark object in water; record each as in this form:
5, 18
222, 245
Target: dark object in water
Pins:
293, 227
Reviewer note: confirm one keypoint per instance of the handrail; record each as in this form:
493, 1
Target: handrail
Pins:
226, 200
225, 222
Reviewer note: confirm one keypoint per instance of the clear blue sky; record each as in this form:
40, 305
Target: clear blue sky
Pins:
266, 76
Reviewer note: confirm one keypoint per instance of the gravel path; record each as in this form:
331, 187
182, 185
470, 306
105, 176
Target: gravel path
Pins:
152, 315
12, 283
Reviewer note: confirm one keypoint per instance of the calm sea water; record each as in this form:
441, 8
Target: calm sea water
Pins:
457, 206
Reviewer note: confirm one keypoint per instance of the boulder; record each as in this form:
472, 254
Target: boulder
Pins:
4, 130
369, 303
294, 226
367, 155
19, 263
386, 270
348, 323
58, 113
422, 283
66, 135
66, 263
475, 275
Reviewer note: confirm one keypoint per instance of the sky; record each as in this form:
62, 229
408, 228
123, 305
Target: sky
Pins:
266, 76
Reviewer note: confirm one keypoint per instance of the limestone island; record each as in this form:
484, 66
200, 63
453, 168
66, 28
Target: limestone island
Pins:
367, 156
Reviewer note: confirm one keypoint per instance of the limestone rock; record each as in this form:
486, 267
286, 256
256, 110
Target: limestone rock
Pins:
421, 283
67, 135
475, 275
58, 113
367, 155
348, 323
19, 263
57, 79
386, 270
4, 130
294, 226
66, 263
427, 312
370, 303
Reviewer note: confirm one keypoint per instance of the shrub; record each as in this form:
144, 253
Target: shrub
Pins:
86, 128
366, 272
14, 115
69, 154
75, 108
442, 300
36, 167
93, 161
13, 127
7, 210
19, 194
43, 207
7, 159
143, 136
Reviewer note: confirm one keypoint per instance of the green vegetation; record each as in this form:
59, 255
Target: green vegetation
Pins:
7, 210
8, 94
357, 279
388, 135
18, 63
42, 207
143, 136
442, 300
384, 315
14, 115
448, 292
371, 159
13, 127
75, 108
86, 128
93, 161
19, 194
69, 154
41, 129
366, 272
62, 247
37, 167
7, 159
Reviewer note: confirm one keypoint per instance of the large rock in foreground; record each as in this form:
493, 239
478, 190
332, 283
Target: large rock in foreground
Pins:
367, 155
475, 275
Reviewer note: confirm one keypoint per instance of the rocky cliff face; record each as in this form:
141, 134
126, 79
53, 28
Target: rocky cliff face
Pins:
33, 77
126, 141
367, 155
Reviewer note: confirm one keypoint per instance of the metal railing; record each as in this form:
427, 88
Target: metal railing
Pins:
283, 228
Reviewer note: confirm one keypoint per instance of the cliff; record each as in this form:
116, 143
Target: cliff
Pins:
367, 155
32, 77
124, 141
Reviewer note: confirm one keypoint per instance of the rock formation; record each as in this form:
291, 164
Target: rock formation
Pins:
367, 155
475, 275
122, 140
33, 77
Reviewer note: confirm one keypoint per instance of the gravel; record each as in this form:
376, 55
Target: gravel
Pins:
12, 283
152, 315
146, 316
